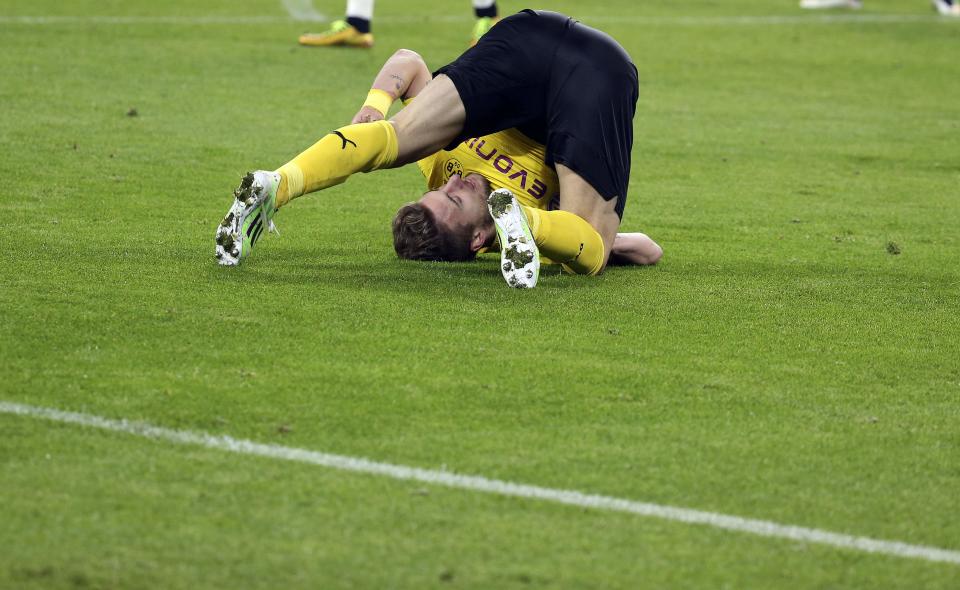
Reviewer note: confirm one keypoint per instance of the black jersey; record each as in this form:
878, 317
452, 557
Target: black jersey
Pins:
563, 84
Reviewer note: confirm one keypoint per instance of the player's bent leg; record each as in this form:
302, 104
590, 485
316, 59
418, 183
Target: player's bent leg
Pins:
429, 123
362, 147
581, 199
330, 161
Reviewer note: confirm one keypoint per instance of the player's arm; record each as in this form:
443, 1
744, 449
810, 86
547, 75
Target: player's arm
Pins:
635, 248
403, 76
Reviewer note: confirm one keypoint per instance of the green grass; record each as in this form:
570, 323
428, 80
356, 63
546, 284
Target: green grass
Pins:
779, 363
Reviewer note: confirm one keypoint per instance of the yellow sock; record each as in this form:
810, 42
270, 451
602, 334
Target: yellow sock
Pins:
330, 161
568, 239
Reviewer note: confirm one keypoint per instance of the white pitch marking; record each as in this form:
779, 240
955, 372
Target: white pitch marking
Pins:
303, 10
309, 14
764, 20
475, 483
142, 20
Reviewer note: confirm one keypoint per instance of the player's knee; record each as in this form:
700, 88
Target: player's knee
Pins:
594, 252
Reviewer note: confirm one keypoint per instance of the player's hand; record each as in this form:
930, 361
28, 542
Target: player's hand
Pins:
367, 115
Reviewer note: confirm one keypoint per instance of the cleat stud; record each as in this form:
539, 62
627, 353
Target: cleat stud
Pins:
518, 257
499, 201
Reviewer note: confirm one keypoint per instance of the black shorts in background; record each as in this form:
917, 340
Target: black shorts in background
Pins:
566, 85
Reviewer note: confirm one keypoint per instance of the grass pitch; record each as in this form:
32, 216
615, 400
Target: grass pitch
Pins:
794, 357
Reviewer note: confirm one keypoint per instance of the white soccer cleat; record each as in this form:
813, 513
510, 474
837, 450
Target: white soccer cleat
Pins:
254, 204
819, 4
519, 255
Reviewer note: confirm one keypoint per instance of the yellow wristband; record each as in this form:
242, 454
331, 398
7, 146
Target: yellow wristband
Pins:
379, 100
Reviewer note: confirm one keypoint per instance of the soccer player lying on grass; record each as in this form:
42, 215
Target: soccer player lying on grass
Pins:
542, 106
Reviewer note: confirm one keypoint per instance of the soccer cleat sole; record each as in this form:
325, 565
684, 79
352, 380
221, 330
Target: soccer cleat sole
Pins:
519, 255
233, 243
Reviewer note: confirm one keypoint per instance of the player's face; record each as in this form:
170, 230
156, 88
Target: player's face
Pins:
461, 202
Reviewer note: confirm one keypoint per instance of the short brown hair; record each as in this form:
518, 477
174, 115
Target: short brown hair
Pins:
418, 236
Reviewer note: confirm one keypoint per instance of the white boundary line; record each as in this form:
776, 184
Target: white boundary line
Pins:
303, 10
492, 486
143, 20
309, 14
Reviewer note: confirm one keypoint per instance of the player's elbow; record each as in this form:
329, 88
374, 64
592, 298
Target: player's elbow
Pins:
646, 257
651, 254
636, 248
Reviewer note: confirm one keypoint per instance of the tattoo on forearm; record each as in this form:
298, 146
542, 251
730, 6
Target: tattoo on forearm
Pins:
398, 81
